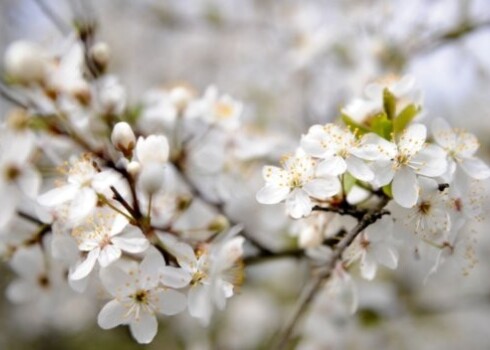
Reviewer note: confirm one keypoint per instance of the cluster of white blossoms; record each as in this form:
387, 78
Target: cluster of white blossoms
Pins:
426, 179
132, 199
100, 195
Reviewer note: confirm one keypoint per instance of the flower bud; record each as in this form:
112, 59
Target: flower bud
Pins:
310, 238
151, 178
25, 62
183, 202
153, 149
123, 138
100, 54
218, 224
133, 168
180, 97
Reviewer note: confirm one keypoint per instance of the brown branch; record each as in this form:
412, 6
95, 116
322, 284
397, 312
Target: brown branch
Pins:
310, 291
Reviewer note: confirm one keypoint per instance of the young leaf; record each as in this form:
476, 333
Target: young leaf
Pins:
382, 126
389, 103
348, 181
404, 118
351, 123
387, 190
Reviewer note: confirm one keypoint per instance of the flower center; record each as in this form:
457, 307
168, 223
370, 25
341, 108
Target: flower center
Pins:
141, 296
223, 110
43, 281
424, 207
12, 173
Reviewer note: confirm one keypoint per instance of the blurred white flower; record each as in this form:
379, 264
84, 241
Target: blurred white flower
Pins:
214, 109
405, 160
295, 184
211, 273
17, 176
374, 246
103, 240
138, 298
84, 183
460, 147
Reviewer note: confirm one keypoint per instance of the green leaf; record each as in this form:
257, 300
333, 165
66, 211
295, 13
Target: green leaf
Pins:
348, 181
387, 190
389, 103
351, 123
382, 126
132, 114
404, 118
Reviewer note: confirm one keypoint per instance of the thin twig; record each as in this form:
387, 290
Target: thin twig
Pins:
8, 96
309, 292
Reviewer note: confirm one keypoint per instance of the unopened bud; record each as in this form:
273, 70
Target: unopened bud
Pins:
310, 238
123, 138
180, 97
25, 62
151, 178
18, 119
183, 202
218, 224
100, 54
133, 168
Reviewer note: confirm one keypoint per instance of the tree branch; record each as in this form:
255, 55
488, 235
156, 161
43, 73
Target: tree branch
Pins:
310, 291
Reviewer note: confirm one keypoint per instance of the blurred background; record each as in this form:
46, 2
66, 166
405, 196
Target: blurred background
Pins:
292, 63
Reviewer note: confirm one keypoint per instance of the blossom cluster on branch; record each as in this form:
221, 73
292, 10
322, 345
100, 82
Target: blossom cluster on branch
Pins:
98, 194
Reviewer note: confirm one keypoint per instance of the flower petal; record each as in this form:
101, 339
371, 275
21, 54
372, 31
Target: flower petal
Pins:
331, 166
359, 169
430, 161
83, 204
272, 194
29, 182
86, 266
443, 134
131, 244
119, 223
169, 302
368, 267
22, 291
116, 281
58, 195
199, 303
112, 315
475, 168
323, 188
412, 139
175, 277
108, 255
405, 187
386, 255
298, 204
144, 328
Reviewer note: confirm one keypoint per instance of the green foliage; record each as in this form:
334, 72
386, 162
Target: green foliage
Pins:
389, 103
352, 124
132, 114
387, 190
404, 118
382, 126
348, 181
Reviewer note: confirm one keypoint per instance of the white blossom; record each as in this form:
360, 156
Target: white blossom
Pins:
103, 240
374, 246
405, 160
17, 176
295, 184
460, 147
138, 298
84, 183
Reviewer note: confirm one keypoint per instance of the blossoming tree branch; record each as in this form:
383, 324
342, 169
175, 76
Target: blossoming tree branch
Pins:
132, 200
